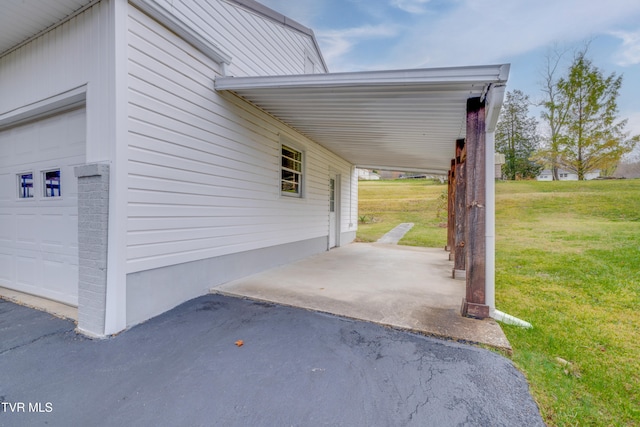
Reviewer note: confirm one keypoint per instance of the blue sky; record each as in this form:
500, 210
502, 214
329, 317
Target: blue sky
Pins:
358, 35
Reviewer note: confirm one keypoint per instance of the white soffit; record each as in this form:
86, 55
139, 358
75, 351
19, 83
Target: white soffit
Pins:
20, 20
401, 120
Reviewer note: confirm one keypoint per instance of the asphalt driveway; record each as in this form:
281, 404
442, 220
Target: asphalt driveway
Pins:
295, 367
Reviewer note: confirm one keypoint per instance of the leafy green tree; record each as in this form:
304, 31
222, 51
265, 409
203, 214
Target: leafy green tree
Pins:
593, 137
516, 137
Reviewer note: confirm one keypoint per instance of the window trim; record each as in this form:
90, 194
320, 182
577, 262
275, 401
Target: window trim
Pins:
291, 145
43, 177
19, 188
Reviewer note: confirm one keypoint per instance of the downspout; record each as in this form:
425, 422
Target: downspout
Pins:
490, 228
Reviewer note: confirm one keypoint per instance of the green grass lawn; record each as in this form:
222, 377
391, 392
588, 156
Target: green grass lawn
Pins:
568, 261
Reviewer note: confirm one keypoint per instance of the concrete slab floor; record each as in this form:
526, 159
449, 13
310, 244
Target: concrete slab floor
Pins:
56, 308
399, 286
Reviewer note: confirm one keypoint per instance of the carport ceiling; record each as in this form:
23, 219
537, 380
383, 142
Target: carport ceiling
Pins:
398, 120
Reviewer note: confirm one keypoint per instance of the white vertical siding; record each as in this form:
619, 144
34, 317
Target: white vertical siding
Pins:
204, 168
67, 57
259, 46
43, 67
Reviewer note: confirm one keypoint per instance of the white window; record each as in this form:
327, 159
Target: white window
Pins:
291, 171
25, 185
51, 183
332, 195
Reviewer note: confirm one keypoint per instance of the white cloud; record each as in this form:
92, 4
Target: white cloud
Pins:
629, 52
481, 31
338, 43
411, 6
633, 125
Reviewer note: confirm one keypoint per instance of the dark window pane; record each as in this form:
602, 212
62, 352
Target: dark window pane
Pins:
52, 184
25, 185
291, 173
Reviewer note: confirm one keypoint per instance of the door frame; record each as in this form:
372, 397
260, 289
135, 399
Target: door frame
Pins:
334, 232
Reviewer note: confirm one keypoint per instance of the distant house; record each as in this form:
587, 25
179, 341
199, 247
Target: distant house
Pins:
367, 175
564, 175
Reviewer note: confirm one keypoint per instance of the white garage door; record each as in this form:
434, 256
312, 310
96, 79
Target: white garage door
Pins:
38, 206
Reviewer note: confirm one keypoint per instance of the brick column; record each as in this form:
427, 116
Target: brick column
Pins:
93, 218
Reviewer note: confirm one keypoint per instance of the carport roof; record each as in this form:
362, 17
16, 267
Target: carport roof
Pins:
398, 120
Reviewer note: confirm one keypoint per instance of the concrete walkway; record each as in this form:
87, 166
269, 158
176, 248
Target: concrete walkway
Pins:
400, 286
398, 232
295, 368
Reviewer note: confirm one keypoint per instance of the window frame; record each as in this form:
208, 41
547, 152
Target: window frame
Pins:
43, 176
292, 146
19, 187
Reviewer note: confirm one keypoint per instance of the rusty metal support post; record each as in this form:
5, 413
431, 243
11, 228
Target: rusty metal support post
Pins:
450, 216
460, 215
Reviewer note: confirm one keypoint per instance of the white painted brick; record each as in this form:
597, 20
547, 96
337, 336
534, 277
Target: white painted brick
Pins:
93, 203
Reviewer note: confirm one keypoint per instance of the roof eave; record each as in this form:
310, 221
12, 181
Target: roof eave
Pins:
494, 74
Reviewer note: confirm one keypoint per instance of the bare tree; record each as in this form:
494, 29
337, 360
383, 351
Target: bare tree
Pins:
555, 112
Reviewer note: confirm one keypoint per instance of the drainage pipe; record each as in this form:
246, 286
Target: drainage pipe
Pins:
509, 319
490, 232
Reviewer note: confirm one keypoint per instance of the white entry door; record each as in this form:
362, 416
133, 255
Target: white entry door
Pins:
334, 209
39, 206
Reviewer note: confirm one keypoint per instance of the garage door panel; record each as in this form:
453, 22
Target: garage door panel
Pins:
27, 270
25, 231
6, 187
60, 272
38, 235
6, 228
6, 268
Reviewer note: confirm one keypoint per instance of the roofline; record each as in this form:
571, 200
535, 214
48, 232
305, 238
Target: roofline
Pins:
495, 74
267, 12
49, 28
404, 169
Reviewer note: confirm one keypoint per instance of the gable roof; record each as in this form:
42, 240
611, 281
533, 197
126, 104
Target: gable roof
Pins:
269, 13
22, 21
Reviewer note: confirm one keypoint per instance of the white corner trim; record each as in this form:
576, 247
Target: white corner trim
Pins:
175, 24
504, 72
62, 101
495, 98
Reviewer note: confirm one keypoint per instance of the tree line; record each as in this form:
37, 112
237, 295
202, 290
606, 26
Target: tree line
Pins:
580, 114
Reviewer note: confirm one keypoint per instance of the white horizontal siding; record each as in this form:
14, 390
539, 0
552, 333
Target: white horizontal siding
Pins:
258, 45
204, 167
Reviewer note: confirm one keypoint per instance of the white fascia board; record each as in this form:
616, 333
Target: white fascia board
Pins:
403, 169
60, 102
487, 74
175, 24
495, 98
